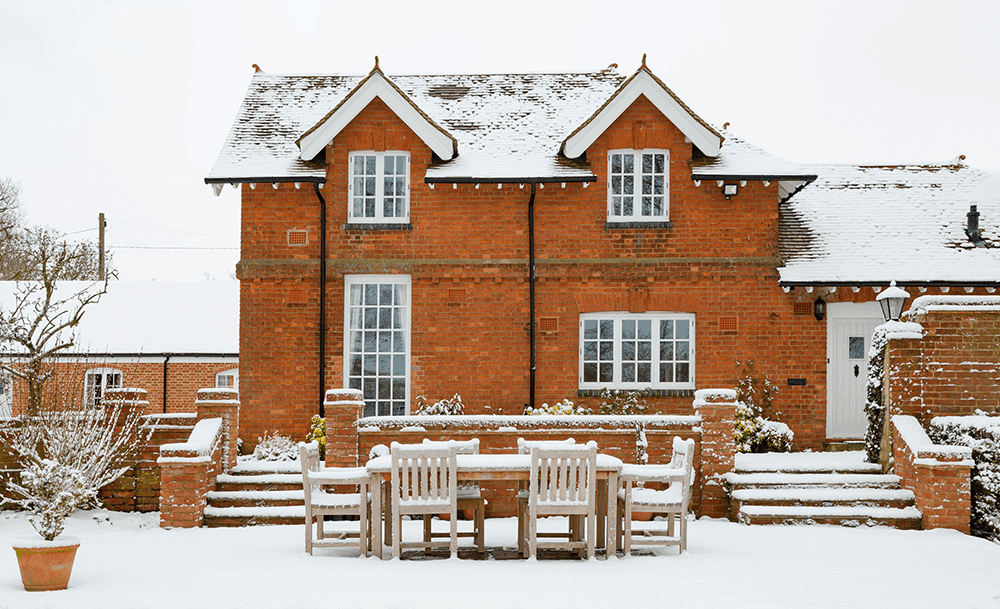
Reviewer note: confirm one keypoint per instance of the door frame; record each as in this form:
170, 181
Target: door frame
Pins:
840, 312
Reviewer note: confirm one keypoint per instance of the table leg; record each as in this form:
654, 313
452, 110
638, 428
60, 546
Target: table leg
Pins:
377, 516
611, 515
601, 513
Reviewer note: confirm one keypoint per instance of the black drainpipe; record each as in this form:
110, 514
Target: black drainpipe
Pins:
166, 358
322, 298
531, 288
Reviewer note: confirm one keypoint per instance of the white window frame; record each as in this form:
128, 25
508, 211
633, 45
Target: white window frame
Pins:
355, 200
378, 404
233, 373
93, 398
655, 340
638, 195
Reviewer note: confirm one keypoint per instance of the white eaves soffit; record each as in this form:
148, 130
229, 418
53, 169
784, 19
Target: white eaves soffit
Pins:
376, 85
643, 83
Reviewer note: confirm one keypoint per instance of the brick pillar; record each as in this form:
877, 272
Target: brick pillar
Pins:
343, 409
224, 404
717, 408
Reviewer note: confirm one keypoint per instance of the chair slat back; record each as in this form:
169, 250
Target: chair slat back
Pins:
564, 475
422, 473
309, 459
684, 454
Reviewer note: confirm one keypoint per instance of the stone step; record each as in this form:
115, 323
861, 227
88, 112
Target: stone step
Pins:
819, 497
258, 482
843, 445
806, 463
250, 516
899, 518
739, 481
254, 498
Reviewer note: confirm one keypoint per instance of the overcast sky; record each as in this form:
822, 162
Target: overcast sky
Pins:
122, 107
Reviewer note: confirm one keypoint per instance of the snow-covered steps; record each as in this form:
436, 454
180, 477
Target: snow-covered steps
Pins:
818, 488
255, 493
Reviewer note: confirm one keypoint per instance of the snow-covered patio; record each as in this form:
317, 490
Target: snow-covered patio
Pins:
127, 561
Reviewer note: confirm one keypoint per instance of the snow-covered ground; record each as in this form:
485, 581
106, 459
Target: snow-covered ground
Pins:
127, 561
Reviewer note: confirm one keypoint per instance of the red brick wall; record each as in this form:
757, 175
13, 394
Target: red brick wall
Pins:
717, 261
184, 378
953, 370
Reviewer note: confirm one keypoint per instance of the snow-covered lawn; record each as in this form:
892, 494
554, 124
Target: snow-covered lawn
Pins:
127, 561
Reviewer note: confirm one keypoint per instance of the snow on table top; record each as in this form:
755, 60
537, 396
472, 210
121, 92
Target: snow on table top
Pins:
877, 224
495, 463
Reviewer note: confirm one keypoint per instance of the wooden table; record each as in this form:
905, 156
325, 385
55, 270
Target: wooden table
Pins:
484, 467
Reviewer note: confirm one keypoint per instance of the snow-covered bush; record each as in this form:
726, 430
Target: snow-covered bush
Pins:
50, 492
641, 444
67, 455
317, 433
754, 431
274, 447
874, 406
565, 407
623, 402
449, 407
982, 434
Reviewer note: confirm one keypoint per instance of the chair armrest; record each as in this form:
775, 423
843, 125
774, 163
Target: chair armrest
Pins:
651, 473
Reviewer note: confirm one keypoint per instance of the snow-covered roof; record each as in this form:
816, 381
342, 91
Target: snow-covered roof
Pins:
153, 317
506, 126
865, 225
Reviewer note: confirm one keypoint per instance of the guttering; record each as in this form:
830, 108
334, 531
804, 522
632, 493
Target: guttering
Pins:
134, 355
267, 179
514, 180
166, 358
322, 297
531, 293
878, 284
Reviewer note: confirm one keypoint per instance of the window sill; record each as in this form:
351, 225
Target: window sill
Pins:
650, 225
376, 226
653, 393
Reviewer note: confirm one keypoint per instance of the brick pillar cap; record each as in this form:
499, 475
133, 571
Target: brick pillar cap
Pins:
341, 397
125, 394
217, 395
708, 396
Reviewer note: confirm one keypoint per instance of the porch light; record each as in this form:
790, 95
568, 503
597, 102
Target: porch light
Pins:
730, 190
819, 309
891, 300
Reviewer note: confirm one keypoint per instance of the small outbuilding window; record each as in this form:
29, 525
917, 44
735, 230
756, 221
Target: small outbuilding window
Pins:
98, 381
228, 379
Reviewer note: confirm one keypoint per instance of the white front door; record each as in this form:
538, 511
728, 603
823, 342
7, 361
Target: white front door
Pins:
849, 333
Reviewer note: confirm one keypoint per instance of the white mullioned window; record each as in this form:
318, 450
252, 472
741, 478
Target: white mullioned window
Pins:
98, 381
636, 350
379, 190
638, 186
228, 379
377, 345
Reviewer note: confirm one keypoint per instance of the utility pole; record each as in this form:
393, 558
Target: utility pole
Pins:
100, 246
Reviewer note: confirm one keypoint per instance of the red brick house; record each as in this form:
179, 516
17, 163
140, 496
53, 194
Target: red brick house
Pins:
168, 338
525, 238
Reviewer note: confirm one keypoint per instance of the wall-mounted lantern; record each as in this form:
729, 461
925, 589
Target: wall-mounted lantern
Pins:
730, 190
892, 300
819, 309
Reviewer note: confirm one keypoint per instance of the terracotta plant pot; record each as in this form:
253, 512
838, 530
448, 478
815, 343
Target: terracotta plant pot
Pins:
46, 565
642, 516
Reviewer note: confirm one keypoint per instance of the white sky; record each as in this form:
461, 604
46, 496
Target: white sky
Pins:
122, 107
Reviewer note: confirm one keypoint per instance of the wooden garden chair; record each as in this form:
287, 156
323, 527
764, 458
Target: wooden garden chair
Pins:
423, 481
672, 501
524, 448
469, 496
563, 482
319, 503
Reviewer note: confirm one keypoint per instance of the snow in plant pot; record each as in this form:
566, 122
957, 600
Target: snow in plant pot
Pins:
50, 492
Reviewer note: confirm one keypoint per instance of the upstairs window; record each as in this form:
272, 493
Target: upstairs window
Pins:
379, 191
638, 186
637, 351
98, 381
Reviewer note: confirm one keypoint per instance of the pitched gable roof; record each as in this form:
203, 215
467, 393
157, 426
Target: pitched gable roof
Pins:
864, 225
644, 83
377, 85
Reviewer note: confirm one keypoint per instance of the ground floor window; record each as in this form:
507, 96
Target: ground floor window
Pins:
228, 379
637, 351
377, 345
99, 380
